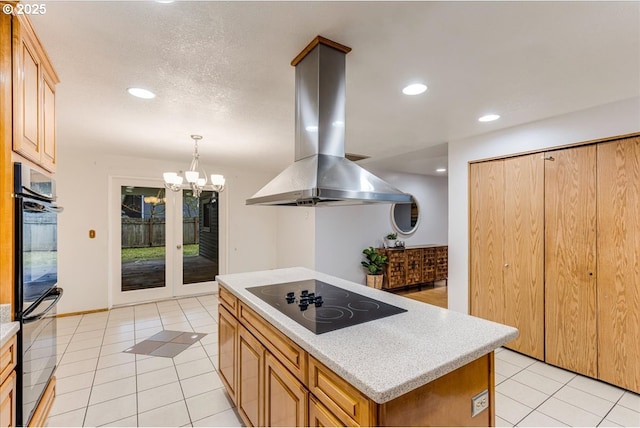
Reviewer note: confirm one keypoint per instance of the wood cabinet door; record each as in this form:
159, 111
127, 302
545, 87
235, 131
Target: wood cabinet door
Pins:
396, 269
285, 398
429, 265
8, 401
486, 297
523, 240
618, 261
570, 259
442, 262
250, 378
26, 108
414, 266
48, 150
227, 351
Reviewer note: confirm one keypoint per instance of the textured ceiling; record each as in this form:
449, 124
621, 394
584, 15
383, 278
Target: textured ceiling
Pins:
222, 69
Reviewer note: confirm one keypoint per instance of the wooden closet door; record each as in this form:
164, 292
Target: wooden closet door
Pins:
524, 252
486, 240
618, 263
570, 256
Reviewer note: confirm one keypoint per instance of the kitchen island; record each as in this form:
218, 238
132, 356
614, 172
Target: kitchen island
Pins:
425, 366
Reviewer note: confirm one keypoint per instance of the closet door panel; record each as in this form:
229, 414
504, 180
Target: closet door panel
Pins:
619, 263
570, 257
524, 252
486, 246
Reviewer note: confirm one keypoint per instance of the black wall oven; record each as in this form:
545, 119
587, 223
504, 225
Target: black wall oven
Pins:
36, 285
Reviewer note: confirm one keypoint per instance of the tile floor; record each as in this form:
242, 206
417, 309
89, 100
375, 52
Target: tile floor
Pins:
99, 385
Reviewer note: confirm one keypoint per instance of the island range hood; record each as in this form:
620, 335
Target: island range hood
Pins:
321, 175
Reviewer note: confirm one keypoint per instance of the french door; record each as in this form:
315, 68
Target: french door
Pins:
164, 243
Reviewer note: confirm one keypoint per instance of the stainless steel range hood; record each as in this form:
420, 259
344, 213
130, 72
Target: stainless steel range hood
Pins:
321, 175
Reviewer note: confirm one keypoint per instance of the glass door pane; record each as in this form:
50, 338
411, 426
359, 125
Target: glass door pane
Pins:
199, 237
143, 231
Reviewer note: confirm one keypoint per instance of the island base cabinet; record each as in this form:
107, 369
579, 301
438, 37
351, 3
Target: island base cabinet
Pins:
285, 397
227, 351
267, 385
445, 401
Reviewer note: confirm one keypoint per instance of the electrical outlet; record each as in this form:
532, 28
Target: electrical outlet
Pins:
479, 403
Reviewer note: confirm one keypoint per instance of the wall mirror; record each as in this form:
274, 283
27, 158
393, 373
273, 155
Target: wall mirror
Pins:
405, 217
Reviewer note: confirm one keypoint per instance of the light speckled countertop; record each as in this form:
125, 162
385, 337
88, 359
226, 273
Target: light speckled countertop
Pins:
7, 328
388, 357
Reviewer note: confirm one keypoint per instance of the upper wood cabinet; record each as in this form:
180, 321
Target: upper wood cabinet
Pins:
506, 240
34, 81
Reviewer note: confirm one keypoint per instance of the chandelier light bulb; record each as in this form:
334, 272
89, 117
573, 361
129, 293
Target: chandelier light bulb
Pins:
191, 176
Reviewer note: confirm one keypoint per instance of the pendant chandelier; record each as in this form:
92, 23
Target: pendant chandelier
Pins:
195, 180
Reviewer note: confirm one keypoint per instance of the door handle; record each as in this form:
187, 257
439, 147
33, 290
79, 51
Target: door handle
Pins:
178, 246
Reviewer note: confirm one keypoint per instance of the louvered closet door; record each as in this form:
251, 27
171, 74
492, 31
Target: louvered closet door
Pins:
486, 240
570, 258
618, 263
524, 252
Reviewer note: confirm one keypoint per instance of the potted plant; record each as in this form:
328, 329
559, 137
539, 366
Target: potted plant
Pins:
374, 264
391, 239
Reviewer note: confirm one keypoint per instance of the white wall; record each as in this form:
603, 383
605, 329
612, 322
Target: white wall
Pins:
83, 185
600, 122
343, 232
296, 236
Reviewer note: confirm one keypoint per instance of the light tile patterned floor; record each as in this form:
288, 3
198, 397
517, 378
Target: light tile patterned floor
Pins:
530, 393
98, 385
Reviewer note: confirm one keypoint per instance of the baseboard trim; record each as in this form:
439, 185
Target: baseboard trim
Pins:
72, 314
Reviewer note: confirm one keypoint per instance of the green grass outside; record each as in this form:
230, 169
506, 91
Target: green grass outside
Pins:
149, 253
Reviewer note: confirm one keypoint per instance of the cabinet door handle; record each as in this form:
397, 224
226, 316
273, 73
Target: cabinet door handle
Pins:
506, 265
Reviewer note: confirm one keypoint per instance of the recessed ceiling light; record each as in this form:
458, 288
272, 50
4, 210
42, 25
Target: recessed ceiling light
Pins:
414, 89
141, 93
164, 1
441, 170
489, 118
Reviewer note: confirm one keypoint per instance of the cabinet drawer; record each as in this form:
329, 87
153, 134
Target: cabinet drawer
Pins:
320, 416
287, 351
7, 358
228, 300
343, 400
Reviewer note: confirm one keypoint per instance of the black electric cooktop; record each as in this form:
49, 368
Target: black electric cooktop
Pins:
323, 307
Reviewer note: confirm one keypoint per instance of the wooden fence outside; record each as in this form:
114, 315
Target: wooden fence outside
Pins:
150, 232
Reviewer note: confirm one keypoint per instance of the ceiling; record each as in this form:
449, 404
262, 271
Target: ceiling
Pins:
222, 69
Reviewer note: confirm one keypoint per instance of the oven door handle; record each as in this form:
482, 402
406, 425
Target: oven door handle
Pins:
36, 207
28, 318
39, 196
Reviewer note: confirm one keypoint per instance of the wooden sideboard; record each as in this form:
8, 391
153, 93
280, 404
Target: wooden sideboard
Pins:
415, 265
